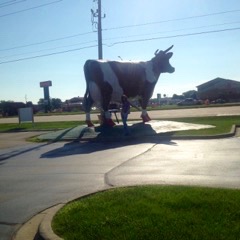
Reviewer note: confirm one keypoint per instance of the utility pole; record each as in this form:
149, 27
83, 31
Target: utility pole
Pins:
98, 14
100, 56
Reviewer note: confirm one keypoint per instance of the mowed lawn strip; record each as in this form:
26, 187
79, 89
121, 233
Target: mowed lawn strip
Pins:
152, 212
222, 125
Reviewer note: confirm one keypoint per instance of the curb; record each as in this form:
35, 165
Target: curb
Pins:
162, 136
45, 228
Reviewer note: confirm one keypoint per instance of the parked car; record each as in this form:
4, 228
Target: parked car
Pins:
189, 102
219, 101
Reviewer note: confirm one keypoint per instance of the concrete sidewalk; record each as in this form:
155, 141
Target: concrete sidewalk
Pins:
138, 130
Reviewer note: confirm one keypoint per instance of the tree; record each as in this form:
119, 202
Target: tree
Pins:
41, 104
56, 103
190, 94
178, 97
10, 108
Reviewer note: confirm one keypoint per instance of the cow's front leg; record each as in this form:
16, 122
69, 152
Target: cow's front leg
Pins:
145, 117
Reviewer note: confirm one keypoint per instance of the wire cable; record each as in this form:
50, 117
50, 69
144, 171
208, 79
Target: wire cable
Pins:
172, 20
107, 39
48, 41
28, 9
120, 27
46, 55
174, 36
48, 49
6, 4
122, 42
169, 31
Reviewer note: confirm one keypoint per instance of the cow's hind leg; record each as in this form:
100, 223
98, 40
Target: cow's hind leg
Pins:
88, 102
105, 104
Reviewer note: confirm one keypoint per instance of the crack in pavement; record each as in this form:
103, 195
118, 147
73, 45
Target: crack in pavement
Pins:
106, 175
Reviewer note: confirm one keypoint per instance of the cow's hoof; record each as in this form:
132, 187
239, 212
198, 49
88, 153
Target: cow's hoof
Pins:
109, 123
149, 119
89, 123
146, 118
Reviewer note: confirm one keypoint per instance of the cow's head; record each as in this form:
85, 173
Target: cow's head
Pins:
161, 61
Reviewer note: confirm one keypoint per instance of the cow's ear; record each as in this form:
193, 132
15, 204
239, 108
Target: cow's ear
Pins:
169, 55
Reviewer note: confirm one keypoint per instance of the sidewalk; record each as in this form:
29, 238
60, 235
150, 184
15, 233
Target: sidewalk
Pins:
138, 130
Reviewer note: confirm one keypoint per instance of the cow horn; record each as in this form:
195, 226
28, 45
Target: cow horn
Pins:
156, 52
168, 49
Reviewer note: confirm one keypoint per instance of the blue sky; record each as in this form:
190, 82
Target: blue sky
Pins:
56, 37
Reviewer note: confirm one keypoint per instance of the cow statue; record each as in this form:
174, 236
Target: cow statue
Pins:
107, 81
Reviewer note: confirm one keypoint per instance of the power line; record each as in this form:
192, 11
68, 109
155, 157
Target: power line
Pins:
120, 27
172, 20
9, 3
48, 41
106, 39
28, 9
176, 30
46, 55
122, 42
174, 36
48, 49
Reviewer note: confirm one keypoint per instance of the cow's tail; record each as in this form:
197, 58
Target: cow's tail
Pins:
87, 100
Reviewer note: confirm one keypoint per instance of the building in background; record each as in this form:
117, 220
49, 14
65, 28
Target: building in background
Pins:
219, 88
73, 104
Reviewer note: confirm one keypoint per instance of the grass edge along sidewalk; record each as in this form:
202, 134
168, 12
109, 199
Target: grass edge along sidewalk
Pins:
223, 125
152, 212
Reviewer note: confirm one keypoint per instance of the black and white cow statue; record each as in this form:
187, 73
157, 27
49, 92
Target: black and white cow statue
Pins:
107, 81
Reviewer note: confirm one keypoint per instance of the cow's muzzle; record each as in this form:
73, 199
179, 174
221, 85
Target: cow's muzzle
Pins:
172, 70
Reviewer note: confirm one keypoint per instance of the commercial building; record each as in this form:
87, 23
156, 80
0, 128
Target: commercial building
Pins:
219, 88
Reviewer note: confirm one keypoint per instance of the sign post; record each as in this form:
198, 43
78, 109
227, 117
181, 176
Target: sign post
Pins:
25, 115
45, 85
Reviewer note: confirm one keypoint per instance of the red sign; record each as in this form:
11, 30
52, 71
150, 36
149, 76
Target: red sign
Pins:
46, 84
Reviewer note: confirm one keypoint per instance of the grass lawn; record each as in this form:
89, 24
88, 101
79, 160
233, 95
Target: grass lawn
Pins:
152, 212
222, 125
39, 126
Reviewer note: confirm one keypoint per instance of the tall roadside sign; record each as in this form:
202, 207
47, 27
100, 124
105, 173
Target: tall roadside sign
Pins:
45, 85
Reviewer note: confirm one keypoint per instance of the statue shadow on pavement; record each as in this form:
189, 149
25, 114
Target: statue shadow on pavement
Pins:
103, 138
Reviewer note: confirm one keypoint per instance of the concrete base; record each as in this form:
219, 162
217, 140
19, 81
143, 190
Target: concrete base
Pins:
137, 129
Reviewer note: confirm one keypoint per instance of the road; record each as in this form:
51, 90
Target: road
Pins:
175, 113
34, 177
37, 176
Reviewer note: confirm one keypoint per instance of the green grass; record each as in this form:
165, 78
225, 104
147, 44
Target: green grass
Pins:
152, 212
222, 125
11, 127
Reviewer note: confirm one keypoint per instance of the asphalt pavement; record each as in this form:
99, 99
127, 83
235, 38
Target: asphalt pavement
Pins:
37, 176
